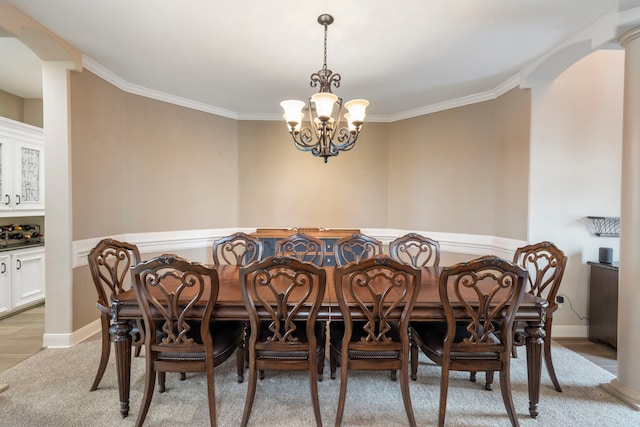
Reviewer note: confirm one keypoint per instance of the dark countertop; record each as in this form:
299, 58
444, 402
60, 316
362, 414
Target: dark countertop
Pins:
612, 266
21, 245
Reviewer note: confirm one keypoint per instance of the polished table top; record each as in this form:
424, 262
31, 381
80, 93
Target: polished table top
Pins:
428, 306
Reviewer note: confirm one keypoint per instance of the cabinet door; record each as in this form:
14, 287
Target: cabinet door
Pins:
28, 277
5, 283
29, 176
6, 175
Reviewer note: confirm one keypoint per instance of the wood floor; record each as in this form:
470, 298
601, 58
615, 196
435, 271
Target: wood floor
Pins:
21, 336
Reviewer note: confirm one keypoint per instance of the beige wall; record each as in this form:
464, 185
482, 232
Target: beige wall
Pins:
141, 165
21, 110
462, 170
281, 186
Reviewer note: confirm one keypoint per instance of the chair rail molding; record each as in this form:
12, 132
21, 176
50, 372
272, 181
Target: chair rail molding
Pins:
172, 241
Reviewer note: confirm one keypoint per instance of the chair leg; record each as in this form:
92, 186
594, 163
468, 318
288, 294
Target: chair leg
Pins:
211, 388
161, 381
343, 391
444, 388
251, 394
505, 388
547, 355
313, 380
414, 359
514, 351
472, 376
321, 366
149, 383
104, 355
488, 385
406, 396
240, 359
393, 375
333, 362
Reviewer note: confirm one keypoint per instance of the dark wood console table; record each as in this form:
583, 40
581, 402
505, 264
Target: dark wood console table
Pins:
603, 303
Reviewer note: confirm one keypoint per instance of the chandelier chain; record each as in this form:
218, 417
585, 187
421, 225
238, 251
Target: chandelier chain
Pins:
324, 66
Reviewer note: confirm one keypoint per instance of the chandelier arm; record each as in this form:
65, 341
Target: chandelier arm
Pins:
303, 139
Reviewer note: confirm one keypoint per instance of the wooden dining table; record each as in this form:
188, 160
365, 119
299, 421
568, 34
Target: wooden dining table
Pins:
230, 306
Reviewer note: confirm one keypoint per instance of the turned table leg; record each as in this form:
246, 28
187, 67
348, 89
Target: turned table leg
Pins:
120, 331
535, 340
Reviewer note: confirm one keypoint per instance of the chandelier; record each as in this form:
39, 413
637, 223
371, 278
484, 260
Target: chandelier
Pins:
325, 137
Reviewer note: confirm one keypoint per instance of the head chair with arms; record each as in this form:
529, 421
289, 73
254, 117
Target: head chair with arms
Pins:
477, 296
545, 263
283, 296
109, 263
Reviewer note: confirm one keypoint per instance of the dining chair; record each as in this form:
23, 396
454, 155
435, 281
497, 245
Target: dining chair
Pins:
239, 249
416, 250
304, 247
545, 263
289, 293
476, 296
177, 298
355, 248
109, 262
376, 296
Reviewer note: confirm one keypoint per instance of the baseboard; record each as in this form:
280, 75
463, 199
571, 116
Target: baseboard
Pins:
570, 331
69, 340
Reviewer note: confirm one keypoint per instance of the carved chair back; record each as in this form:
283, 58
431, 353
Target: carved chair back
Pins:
482, 296
302, 247
380, 292
237, 249
109, 263
356, 248
545, 263
416, 250
287, 290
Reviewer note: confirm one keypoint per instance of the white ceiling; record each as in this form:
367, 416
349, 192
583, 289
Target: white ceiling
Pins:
243, 57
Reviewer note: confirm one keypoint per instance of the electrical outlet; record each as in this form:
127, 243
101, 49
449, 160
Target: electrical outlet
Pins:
560, 301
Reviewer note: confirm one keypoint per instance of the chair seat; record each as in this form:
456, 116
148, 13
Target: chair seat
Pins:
430, 337
300, 334
226, 335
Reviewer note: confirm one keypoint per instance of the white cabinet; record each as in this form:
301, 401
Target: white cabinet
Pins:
21, 169
5, 283
27, 276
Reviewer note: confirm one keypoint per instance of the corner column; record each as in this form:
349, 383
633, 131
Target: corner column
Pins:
627, 385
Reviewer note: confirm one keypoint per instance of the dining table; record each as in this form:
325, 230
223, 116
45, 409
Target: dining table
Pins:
230, 306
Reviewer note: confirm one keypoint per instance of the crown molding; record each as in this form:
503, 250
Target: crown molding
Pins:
124, 85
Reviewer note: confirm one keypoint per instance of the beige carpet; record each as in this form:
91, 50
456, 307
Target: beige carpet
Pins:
52, 389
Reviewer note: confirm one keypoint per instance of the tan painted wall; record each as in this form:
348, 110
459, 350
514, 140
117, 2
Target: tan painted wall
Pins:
27, 111
463, 170
280, 186
11, 106
141, 165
